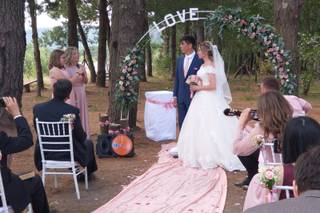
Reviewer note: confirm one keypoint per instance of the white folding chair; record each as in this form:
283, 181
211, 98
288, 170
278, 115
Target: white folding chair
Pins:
287, 189
276, 158
47, 133
5, 208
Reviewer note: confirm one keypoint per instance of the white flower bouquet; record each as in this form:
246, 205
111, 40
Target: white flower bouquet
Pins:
269, 176
68, 117
193, 80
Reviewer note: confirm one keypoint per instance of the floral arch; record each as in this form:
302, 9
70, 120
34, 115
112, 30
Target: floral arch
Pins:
251, 27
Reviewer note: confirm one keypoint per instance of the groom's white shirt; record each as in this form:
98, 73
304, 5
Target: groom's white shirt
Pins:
187, 62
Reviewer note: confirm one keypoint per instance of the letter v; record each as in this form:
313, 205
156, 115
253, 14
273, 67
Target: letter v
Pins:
182, 16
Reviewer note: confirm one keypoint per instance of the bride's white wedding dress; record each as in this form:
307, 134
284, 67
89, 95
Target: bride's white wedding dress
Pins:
206, 136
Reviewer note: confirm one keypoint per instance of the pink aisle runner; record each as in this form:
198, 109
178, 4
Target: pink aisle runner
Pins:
169, 187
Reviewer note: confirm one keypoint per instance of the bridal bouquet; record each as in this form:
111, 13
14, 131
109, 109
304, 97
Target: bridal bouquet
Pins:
269, 176
193, 80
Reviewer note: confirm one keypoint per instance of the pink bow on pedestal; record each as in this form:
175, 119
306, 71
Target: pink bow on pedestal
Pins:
166, 105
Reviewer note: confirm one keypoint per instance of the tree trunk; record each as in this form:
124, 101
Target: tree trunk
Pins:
72, 23
88, 56
200, 32
149, 59
166, 42
187, 28
104, 28
286, 14
125, 32
173, 48
36, 50
12, 52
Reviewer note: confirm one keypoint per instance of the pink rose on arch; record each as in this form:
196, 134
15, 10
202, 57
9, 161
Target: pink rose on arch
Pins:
279, 58
243, 22
270, 50
281, 69
269, 174
253, 35
268, 42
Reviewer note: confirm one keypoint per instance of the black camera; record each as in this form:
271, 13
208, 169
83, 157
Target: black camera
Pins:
235, 112
2, 103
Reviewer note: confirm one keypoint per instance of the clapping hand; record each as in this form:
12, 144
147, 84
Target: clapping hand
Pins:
11, 106
81, 73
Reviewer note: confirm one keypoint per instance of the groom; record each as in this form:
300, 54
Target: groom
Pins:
187, 64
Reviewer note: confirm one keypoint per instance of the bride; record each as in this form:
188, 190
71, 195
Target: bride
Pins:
206, 136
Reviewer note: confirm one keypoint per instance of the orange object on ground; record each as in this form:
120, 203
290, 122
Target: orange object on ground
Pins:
122, 145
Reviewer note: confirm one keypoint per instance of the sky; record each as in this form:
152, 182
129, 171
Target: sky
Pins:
43, 21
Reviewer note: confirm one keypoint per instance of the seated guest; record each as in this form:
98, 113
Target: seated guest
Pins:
54, 110
301, 133
300, 106
274, 112
20, 193
306, 188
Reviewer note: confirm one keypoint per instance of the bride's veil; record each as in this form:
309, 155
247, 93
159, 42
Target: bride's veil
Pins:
221, 79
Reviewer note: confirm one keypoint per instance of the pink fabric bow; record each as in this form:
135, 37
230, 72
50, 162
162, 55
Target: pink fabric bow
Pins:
166, 105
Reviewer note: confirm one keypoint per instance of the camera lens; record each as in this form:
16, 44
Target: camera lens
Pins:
2, 103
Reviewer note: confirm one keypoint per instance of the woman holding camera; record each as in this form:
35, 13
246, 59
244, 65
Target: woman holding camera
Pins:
300, 134
80, 99
274, 111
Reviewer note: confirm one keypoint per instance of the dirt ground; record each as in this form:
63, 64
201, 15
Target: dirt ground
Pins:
114, 173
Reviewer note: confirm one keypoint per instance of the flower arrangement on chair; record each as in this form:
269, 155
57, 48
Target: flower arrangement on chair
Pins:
68, 117
269, 176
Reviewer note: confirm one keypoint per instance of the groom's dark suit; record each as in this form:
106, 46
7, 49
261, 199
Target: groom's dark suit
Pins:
53, 111
181, 89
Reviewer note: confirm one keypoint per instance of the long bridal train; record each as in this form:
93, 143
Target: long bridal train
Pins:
168, 186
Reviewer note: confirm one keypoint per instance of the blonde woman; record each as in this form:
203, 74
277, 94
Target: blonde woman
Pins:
57, 71
73, 68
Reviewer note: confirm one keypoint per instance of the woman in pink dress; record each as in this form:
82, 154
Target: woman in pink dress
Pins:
78, 86
274, 112
301, 134
57, 70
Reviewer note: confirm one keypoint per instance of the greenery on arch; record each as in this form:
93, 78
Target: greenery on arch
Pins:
263, 34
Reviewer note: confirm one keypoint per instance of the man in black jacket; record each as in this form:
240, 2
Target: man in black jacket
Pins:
20, 193
53, 111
